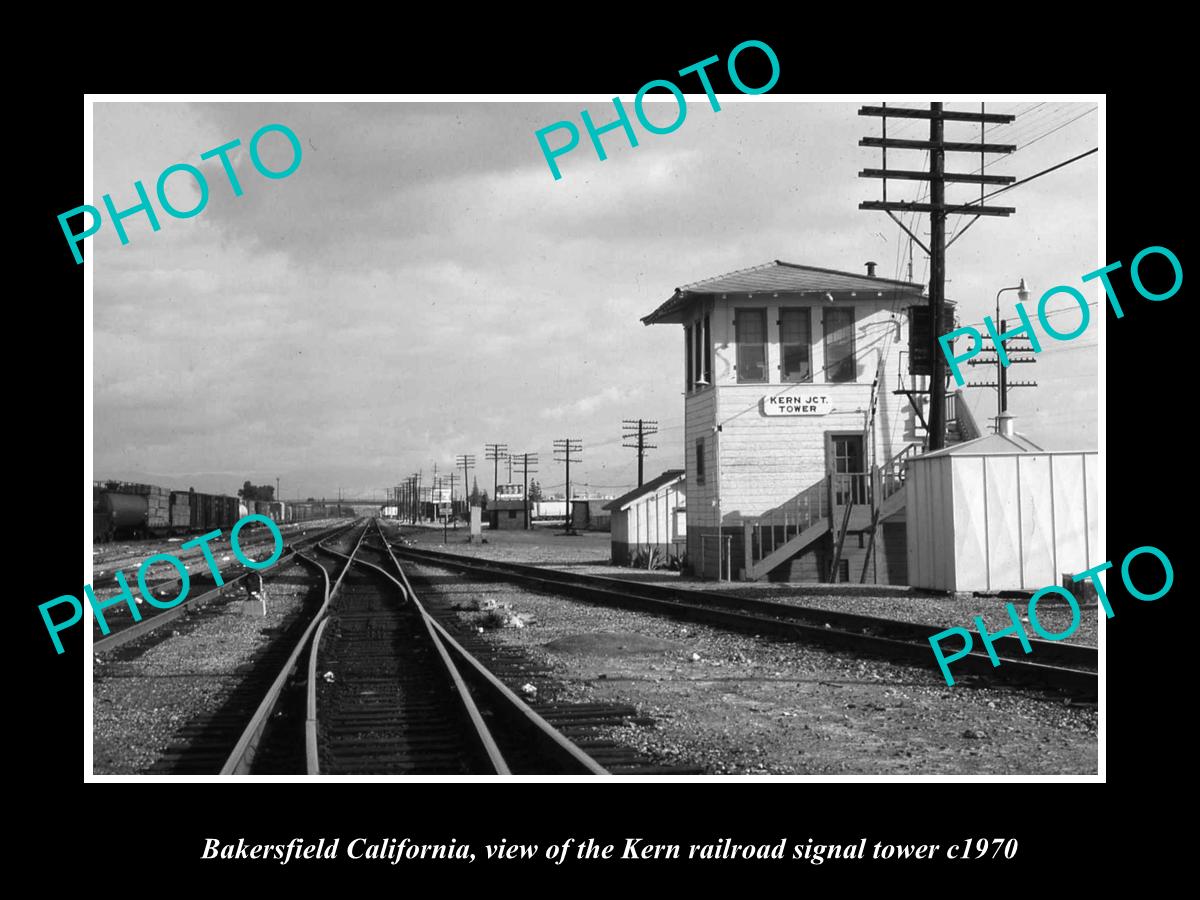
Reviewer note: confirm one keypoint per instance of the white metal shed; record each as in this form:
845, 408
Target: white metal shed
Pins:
999, 513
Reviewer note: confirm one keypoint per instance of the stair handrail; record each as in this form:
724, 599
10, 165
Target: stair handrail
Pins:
968, 428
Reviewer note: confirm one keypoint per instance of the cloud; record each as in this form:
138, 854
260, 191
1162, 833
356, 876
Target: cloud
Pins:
422, 285
586, 406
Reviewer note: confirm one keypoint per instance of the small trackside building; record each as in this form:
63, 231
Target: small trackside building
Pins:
1002, 514
506, 514
652, 517
803, 404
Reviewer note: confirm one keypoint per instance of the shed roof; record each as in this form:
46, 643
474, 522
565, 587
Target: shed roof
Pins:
777, 276
667, 477
989, 445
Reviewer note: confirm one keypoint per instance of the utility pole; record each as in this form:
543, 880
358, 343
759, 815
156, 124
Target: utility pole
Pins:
563, 450
937, 276
638, 430
528, 461
278, 496
465, 461
1002, 384
453, 478
938, 209
495, 452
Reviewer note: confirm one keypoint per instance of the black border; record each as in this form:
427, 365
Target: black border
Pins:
156, 827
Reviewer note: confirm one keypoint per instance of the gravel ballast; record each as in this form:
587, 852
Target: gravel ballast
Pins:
144, 692
588, 554
740, 704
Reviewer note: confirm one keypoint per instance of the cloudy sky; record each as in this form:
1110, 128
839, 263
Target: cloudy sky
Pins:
422, 285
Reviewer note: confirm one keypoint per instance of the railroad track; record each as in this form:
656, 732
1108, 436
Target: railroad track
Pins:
1067, 667
492, 668
376, 685
123, 629
205, 743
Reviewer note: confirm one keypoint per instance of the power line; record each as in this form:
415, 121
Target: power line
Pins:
1015, 184
1065, 162
1058, 128
1057, 312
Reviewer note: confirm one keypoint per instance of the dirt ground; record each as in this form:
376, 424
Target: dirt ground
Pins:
589, 553
740, 704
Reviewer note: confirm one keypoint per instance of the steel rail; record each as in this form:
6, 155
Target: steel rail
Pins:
760, 616
241, 760
552, 741
484, 739
312, 760
566, 750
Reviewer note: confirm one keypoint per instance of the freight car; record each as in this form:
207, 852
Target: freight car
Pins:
117, 514
125, 510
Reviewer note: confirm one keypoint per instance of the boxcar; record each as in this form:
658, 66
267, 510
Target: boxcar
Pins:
181, 511
227, 512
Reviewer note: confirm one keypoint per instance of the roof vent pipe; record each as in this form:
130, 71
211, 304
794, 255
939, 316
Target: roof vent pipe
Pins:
870, 270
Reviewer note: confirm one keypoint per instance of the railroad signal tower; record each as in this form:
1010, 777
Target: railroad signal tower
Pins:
938, 209
637, 430
564, 452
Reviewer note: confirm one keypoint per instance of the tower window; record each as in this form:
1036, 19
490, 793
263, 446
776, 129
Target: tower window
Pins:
750, 332
840, 364
795, 340
689, 378
699, 354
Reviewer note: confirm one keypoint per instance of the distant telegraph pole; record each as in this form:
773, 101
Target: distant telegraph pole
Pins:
1002, 384
564, 450
495, 453
465, 461
637, 430
528, 464
938, 209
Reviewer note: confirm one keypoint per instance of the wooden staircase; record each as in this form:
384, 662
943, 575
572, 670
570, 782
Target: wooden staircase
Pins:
842, 504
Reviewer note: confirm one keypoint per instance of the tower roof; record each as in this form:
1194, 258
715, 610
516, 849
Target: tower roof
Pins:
989, 445
649, 487
778, 277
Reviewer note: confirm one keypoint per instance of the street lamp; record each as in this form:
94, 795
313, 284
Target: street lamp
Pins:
1001, 381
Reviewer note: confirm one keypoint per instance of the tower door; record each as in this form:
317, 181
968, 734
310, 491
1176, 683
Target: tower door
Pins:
847, 465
